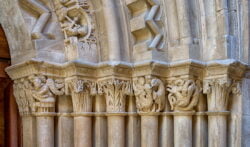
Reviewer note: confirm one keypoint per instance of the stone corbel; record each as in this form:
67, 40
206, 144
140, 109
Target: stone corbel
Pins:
150, 94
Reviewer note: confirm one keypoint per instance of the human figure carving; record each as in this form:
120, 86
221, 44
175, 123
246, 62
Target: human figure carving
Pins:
150, 94
72, 18
45, 89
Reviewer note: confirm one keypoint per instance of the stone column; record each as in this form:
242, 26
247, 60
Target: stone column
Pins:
45, 129
150, 100
100, 123
82, 106
65, 124
133, 124
183, 96
115, 91
183, 129
28, 130
217, 91
167, 129
200, 124
149, 130
21, 93
43, 94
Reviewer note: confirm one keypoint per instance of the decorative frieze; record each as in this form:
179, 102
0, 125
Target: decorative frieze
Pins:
184, 94
149, 93
115, 91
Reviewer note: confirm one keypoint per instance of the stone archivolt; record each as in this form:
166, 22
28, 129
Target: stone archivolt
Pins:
44, 15
184, 94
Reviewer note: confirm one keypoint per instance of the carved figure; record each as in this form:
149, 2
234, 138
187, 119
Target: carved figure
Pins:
183, 94
45, 90
150, 94
74, 20
158, 94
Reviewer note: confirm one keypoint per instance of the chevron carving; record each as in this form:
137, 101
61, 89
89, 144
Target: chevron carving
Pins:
146, 24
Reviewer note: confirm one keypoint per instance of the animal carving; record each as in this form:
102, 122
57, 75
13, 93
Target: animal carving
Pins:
183, 94
158, 94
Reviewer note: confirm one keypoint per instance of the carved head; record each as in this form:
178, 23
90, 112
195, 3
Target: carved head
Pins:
155, 82
37, 81
141, 80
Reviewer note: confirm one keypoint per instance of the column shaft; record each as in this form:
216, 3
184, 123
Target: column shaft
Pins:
166, 131
217, 131
83, 131
183, 131
100, 123
200, 131
116, 131
65, 133
149, 131
45, 131
133, 125
28, 131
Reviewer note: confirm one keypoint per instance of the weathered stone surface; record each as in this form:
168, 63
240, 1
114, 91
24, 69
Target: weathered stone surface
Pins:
130, 72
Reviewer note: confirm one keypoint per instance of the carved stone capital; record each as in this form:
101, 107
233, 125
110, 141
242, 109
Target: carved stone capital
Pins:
81, 92
149, 93
23, 96
44, 92
37, 93
184, 94
218, 91
115, 91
